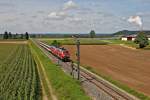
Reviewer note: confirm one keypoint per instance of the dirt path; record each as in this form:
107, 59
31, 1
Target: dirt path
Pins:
14, 42
123, 45
44, 96
48, 83
128, 66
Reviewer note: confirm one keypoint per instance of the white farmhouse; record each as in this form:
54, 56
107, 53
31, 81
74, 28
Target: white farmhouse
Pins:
131, 37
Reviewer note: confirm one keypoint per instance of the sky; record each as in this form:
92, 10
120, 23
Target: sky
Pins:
72, 16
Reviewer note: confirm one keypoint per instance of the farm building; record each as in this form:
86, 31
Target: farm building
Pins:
131, 37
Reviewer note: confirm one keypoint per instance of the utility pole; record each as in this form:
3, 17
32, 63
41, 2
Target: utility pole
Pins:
78, 57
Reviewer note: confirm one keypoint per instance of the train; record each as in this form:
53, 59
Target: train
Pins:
59, 52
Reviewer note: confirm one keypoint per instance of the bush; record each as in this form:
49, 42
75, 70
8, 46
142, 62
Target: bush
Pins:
56, 43
142, 40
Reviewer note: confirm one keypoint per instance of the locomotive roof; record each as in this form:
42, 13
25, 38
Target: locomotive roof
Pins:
60, 48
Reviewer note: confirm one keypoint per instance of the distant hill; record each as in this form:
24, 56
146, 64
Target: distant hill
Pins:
127, 32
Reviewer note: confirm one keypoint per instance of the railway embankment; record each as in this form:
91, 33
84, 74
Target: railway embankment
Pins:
64, 87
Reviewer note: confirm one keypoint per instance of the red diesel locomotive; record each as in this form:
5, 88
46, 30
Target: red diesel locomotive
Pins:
61, 53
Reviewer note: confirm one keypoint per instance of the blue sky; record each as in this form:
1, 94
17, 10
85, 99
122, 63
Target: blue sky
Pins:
76, 16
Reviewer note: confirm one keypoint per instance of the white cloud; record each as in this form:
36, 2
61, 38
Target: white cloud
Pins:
135, 19
70, 5
63, 14
58, 15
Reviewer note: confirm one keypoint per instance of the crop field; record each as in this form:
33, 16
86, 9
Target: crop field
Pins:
128, 66
19, 78
5, 50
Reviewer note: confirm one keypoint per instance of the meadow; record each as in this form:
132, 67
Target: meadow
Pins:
71, 41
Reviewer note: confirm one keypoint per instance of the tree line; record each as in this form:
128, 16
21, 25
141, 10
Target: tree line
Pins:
9, 35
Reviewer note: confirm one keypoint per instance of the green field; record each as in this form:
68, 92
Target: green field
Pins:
127, 43
83, 41
19, 79
6, 50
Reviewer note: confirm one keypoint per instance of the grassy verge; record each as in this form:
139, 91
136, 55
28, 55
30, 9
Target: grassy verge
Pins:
119, 84
128, 43
82, 41
41, 74
65, 87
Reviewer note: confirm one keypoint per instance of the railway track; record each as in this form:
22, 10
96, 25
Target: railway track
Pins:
115, 95
104, 86
96, 87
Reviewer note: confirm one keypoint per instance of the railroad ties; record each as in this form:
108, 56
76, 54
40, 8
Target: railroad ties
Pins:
96, 87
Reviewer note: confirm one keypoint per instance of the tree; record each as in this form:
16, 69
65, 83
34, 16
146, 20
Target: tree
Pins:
9, 35
142, 40
92, 34
5, 35
56, 43
27, 35
21, 36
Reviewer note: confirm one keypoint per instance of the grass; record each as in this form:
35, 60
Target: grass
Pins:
119, 84
41, 73
83, 41
65, 87
128, 43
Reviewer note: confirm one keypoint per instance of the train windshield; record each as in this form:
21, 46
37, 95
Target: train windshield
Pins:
66, 52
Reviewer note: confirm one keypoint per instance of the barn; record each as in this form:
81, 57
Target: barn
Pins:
128, 38
131, 37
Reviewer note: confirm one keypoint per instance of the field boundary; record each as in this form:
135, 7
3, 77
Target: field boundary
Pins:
14, 42
126, 46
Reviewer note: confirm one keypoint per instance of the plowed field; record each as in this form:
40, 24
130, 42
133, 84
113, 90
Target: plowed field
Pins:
128, 66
